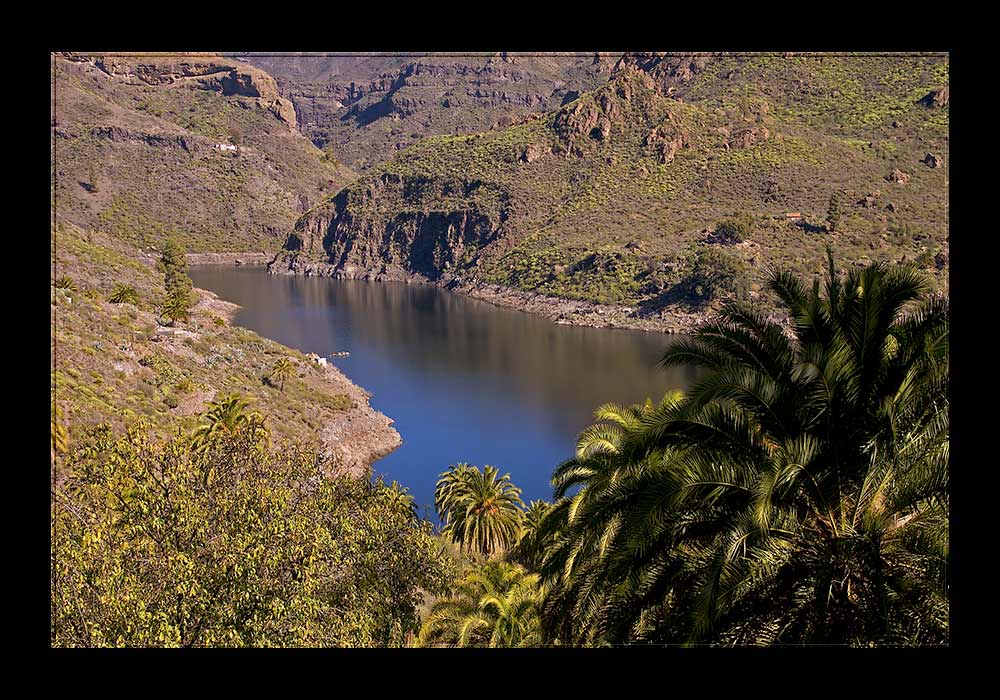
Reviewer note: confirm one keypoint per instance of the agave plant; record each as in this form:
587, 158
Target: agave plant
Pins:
481, 510
65, 282
798, 494
495, 605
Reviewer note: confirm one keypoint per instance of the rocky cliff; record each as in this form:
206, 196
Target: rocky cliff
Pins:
198, 145
366, 108
612, 196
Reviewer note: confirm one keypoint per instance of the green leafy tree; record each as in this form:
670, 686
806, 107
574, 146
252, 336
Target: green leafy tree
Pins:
713, 273
481, 510
734, 229
274, 551
124, 294
175, 270
798, 494
494, 605
282, 370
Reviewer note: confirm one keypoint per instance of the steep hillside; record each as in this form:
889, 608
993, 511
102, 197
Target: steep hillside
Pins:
614, 197
115, 363
198, 144
365, 108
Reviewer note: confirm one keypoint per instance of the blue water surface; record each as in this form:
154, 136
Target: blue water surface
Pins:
462, 379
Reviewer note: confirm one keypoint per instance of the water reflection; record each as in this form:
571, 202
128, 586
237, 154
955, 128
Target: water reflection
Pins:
464, 380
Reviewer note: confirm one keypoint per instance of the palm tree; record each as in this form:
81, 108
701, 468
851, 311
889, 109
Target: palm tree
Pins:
402, 499
495, 605
531, 542
481, 509
176, 307
798, 494
282, 370
124, 294
224, 416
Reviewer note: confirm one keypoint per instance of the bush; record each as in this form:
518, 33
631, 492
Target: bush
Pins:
162, 545
713, 274
735, 229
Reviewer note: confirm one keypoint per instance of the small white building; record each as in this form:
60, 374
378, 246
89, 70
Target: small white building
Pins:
321, 361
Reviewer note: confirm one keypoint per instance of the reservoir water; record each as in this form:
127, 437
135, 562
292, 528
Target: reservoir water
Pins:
464, 381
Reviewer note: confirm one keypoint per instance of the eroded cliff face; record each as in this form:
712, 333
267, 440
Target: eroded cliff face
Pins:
366, 111
200, 146
210, 72
396, 228
431, 226
610, 196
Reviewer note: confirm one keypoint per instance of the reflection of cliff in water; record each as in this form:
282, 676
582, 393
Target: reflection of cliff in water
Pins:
464, 380
462, 343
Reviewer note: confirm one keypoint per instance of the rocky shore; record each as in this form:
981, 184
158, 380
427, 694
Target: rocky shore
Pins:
252, 258
360, 435
558, 310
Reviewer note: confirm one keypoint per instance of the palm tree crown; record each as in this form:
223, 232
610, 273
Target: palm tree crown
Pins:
283, 369
798, 494
495, 605
481, 509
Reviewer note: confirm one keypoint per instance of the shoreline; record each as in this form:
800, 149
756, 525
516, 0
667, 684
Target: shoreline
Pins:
234, 259
362, 435
556, 309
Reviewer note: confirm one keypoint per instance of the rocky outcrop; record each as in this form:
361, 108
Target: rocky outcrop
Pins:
119, 134
936, 98
665, 140
666, 71
383, 230
898, 176
750, 136
211, 72
932, 160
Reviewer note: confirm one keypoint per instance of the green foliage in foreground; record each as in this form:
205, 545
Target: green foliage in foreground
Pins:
272, 550
799, 494
494, 605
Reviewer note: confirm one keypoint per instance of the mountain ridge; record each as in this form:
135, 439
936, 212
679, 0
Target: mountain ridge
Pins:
613, 197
